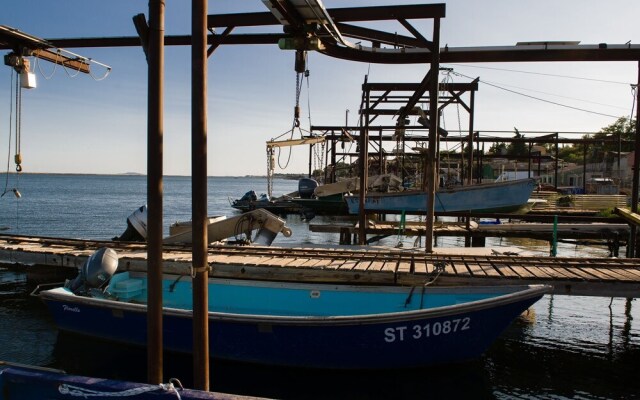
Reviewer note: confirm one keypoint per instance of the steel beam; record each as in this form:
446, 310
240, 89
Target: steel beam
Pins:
412, 87
348, 14
447, 55
79, 65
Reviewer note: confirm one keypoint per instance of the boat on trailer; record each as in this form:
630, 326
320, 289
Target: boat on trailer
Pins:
331, 326
507, 196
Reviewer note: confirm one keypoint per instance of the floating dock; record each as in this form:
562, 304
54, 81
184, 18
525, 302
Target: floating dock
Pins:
613, 232
609, 277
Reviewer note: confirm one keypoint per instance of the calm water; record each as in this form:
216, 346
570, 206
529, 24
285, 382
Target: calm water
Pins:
563, 348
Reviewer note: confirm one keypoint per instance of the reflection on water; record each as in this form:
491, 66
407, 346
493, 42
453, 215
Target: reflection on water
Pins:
563, 348
577, 348
27, 334
99, 358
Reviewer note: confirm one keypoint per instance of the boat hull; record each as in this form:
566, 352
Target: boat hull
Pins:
331, 205
391, 340
29, 382
278, 207
494, 197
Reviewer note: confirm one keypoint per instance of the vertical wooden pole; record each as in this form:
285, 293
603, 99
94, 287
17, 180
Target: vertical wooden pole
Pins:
310, 160
632, 251
433, 136
363, 168
199, 193
471, 118
155, 97
584, 168
555, 176
529, 161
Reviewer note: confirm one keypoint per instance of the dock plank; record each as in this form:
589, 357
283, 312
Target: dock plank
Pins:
521, 271
474, 268
505, 269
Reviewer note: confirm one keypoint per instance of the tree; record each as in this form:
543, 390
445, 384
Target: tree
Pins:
623, 128
498, 149
518, 148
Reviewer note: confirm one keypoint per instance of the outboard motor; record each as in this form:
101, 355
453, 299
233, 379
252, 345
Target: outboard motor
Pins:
249, 196
306, 187
136, 227
95, 273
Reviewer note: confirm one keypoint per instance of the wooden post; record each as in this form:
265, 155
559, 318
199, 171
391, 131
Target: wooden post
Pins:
584, 168
155, 129
363, 169
636, 173
433, 136
471, 117
555, 177
199, 194
467, 235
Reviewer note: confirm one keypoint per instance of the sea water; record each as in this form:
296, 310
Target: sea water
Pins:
562, 348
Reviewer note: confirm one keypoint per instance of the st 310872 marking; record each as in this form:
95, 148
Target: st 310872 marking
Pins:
416, 332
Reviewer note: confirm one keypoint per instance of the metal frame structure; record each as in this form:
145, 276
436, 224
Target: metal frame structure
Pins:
332, 31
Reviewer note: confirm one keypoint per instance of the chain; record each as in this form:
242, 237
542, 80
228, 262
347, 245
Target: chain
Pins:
270, 166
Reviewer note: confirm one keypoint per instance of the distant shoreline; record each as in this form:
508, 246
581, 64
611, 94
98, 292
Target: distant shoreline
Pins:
278, 176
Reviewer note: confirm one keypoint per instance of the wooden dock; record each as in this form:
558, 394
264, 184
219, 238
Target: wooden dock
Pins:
575, 276
540, 231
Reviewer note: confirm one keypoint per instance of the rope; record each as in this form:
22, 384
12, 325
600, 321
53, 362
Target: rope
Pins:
438, 268
77, 391
401, 228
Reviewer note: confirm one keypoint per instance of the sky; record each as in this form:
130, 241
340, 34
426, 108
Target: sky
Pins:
78, 124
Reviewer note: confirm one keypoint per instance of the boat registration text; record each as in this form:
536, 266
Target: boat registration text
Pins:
401, 333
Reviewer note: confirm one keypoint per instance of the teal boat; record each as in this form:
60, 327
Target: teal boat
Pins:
507, 196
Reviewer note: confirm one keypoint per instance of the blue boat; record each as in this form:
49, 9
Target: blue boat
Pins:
507, 196
29, 382
304, 324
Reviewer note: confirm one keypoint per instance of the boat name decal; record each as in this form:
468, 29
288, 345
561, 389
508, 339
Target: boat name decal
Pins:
71, 309
402, 333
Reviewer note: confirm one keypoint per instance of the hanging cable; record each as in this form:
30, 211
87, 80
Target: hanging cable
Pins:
18, 126
543, 74
47, 77
100, 78
306, 75
6, 182
540, 99
69, 74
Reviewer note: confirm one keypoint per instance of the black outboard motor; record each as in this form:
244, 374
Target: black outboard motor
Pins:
136, 227
95, 273
306, 187
249, 196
